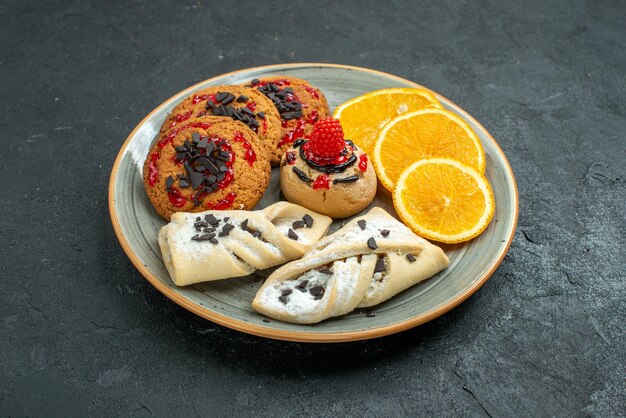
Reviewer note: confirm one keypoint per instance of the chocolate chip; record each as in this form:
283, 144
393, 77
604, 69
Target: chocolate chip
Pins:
289, 115
266, 320
362, 223
169, 182
384, 232
196, 202
370, 314
371, 243
317, 292
255, 81
298, 142
308, 220
214, 240
211, 219
221, 96
283, 299
195, 137
198, 219
349, 179
411, 257
244, 225
261, 115
196, 179
223, 155
204, 237
207, 230
228, 99
326, 270
380, 265
301, 175
302, 286
183, 184
297, 224
226, 229
257, 234
242, 99
292, 235
226, 219
286, 292
204, 142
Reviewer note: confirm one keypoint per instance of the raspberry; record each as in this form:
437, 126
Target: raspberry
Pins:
326, 139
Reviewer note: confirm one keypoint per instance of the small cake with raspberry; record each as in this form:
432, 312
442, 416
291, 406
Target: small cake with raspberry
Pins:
327, 173
235, 102
206, 163
300, 105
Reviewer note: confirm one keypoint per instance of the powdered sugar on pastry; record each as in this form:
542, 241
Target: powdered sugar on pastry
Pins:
373, 258
214, 245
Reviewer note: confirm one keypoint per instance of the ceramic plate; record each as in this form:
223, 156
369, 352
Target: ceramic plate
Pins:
227, 302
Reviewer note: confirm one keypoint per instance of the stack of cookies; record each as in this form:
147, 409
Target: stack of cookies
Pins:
216, 148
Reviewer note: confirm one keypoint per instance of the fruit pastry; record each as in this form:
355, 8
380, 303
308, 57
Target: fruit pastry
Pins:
369, 260
235, 102
327, 173
215, 245
300, 105
206, 163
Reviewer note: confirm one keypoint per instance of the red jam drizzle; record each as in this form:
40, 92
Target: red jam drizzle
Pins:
313, 117
224, 203
251, 105
225, 182
321, 182
290, 157
312, 92
201, 125
153, 170
264, 126
176, 198
200, 98
298, 131
250, 156
363, 162
172, 133
180, 118
279, 83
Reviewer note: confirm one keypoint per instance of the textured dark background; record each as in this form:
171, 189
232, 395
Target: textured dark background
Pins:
82, 333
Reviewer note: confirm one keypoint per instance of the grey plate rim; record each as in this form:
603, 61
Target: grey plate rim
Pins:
269, 332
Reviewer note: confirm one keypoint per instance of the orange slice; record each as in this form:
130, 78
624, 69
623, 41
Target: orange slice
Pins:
444, 200
363, 117
424, 134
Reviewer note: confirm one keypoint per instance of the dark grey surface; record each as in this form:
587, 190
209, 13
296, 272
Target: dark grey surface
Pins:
82, 333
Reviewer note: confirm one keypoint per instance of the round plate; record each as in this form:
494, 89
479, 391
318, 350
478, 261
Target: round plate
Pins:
227, 302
